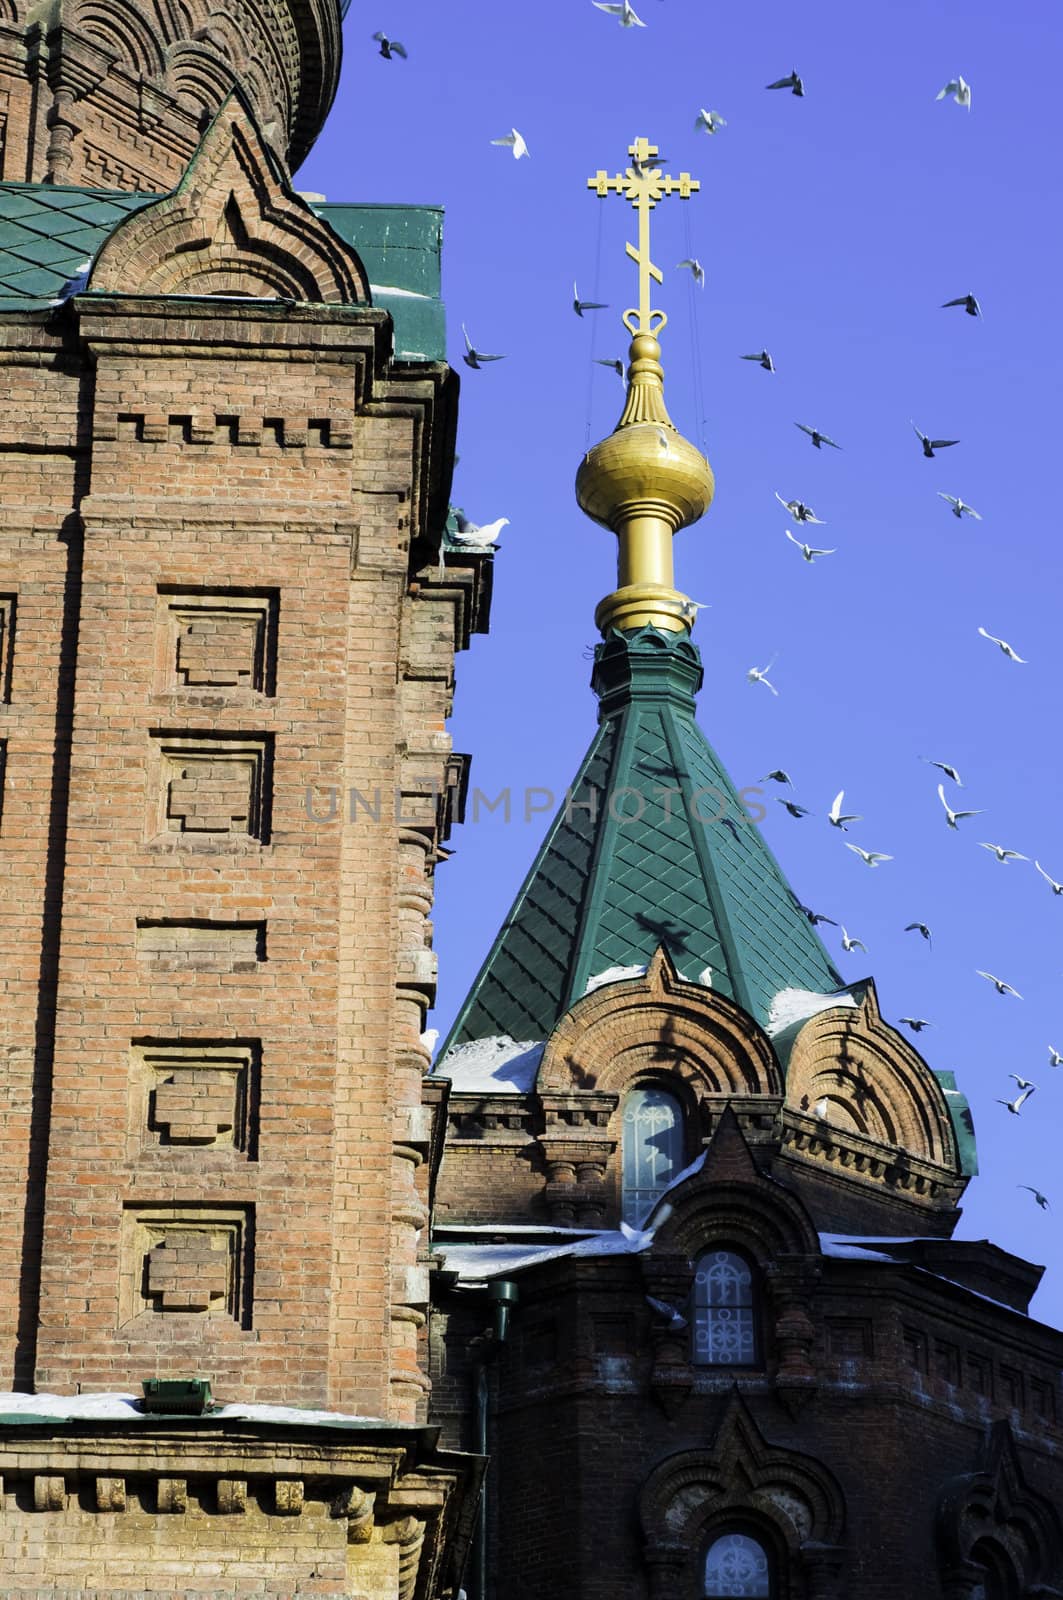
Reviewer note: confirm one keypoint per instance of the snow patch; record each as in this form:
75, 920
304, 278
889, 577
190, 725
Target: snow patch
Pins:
498, 1065
612, 975
797, 1005
123, 1407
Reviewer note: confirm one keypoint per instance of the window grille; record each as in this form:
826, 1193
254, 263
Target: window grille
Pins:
652, 1150
737, 1565
724, 1321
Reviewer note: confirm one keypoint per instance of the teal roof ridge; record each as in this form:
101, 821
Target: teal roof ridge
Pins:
671, 858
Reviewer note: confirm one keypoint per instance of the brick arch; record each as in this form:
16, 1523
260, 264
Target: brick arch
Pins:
996, 1505
789, 1499
231, 227
874, 1080
198, 74
658, 1026
124, 29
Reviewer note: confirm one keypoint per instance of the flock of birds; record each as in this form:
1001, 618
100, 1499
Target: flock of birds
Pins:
711, 122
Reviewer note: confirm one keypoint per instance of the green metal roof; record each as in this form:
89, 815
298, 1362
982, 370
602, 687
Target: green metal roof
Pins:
653, 846
49, 231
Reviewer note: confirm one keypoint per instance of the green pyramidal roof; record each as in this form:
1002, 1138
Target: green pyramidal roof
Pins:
652, 846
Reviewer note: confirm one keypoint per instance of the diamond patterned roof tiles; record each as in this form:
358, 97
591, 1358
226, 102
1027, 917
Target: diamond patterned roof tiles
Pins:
653, 846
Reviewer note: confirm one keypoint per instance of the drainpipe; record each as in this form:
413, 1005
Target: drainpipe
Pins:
502, 1296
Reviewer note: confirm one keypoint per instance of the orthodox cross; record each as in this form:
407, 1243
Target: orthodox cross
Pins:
643, 185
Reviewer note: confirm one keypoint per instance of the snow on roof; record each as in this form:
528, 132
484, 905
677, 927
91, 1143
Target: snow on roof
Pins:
123, 1407
498, 1065
612, 975
797, 1005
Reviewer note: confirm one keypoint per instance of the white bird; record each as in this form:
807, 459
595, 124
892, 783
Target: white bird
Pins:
834, 815
640, 1238
477, 537
1004, 645
1016, 1105
430, 1038
808, 551
960, 91
688, 609
622, 12
675, 1319
960, 508
820, 1108
998, 983
952, 817
1023, 1083
1057, 888
390, 47
515, 142
580, 306
917, 1024
472, 356
696, 269
944, 766
760, 675
708, 122
872, 857
614, 365
852, 944
1054, 1057
792, 81
797, 508
1002, 855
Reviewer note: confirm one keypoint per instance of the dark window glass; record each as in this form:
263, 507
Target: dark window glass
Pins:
737, 1565
652, 1151
724, 1321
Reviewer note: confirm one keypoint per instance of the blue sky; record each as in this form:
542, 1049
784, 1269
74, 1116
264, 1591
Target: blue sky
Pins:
831, 229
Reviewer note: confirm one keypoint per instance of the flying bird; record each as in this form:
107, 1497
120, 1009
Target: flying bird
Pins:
477, 537
917, 1024
1002, 855
818, 439
777, 776
580, 306
967, 301
688, 609
1016, 1105
848, 943
871, 857
960, 508
1004, 646
792, 807
760, 675
764, 360
389, 47
639, 1238
922, 929
808, 551
1057, 888
998, 983
946, 768
515, 142
959, 90
708, 122
798, 510
953, 817
472, 356
814, 917
616, 366
1042, 1200
835, 816
930, 445
1054, 1057
668, 1313
623, 12
792, 82
696, 269
1023, 1083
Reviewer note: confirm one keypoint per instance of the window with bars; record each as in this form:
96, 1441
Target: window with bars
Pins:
652, 1150
737, 1565
724, 1320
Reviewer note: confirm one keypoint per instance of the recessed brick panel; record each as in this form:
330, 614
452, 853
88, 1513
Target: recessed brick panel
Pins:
7, 644
217, 639
196, 1096
212, 784
200, 946
186, 1259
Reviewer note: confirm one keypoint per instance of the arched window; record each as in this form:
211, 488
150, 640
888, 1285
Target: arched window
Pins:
652, 1151
737, 1564
724, 1302
1000, 1580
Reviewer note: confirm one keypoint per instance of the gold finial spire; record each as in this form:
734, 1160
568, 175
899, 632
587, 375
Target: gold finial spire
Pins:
642, 481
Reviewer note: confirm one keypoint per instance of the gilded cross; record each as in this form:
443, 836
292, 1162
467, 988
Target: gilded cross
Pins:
643, 184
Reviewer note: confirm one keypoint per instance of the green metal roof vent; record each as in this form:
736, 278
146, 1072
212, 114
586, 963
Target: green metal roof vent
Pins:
176, 1397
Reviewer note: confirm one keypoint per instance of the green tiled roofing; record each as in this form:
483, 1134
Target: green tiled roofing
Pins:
48, 231
627, 865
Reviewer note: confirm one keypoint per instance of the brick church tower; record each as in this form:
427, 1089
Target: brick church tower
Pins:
695, 1285
227, 606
